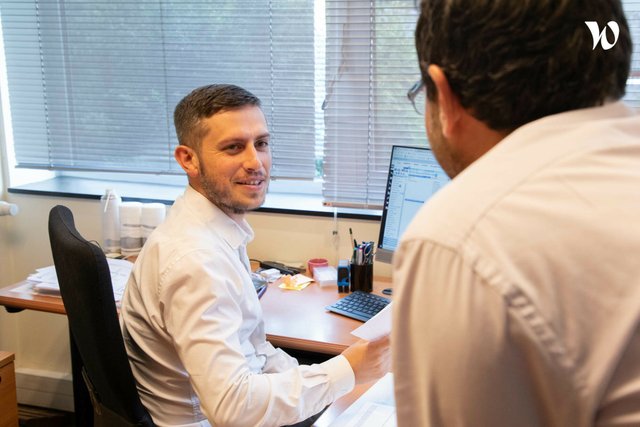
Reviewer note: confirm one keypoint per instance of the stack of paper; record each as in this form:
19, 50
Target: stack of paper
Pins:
45, 280
325, 276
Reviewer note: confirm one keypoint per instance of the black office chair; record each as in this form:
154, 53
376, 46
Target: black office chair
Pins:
87, 294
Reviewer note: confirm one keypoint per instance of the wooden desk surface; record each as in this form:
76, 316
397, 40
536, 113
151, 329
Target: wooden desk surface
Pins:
20, 296
293, 319
298, 319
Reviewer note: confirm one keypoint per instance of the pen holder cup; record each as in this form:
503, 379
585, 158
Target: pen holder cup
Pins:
361, 277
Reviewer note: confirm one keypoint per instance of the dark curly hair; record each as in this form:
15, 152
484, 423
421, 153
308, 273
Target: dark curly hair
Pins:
510, 62
203, 103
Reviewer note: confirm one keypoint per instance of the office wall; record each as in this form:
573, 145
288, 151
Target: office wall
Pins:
40, 340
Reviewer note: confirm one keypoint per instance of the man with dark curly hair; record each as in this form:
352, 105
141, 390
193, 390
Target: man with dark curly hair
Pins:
517, 297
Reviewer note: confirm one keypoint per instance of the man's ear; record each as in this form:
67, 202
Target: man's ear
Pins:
449, 108
188, 160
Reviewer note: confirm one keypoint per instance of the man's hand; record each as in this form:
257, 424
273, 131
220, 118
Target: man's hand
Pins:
370, 360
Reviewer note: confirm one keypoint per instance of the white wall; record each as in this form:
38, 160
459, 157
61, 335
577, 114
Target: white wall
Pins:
40, 340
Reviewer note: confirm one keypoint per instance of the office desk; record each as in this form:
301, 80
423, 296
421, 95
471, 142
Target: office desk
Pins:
19, 297
298, 320
293, 319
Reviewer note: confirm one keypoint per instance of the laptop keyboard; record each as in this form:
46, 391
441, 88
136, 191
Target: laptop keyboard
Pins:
359, 305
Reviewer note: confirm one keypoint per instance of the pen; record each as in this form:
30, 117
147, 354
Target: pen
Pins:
360, 260
355, 244
262, 290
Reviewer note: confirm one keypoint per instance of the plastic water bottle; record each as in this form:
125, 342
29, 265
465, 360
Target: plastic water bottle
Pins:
110, 208
130, 230
152, 216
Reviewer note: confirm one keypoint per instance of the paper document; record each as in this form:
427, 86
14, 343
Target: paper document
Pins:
376, 327
374, 415
375, 408
45, 281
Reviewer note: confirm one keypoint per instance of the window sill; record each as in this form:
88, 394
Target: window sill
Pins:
83, 188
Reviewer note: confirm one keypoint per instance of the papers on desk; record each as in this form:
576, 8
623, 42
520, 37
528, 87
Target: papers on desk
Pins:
45, 281
376, 327
374, 415
297, 282
375, 408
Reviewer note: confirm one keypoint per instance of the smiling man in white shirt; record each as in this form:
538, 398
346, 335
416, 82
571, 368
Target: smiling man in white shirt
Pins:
191, 319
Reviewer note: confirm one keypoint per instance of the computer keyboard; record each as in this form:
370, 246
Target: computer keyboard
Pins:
359, 305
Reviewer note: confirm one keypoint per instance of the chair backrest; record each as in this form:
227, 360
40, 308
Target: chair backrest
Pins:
87, 294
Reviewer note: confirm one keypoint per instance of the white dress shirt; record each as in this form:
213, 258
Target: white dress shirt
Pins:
518, 284
193, 329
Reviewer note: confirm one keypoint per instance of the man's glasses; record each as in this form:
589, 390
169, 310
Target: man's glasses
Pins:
417, 95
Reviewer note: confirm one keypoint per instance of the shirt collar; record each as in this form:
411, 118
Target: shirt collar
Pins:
533, 145
524, 153
539, 128
234, 233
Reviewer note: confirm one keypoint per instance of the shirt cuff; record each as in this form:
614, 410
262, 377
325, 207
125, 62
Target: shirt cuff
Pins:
343, 379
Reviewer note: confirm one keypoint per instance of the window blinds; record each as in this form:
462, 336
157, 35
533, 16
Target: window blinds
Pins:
371, 63
93, 84
632, 12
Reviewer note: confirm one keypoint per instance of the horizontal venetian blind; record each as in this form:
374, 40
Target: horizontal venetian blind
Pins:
632, 12
93, 84
371, 63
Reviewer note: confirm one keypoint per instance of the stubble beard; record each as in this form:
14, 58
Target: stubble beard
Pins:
222, 197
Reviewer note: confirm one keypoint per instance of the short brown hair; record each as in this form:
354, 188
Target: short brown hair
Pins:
204, 102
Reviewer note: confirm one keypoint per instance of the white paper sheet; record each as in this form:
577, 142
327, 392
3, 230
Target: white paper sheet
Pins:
375, 408
374, 415
376, 327
45, 280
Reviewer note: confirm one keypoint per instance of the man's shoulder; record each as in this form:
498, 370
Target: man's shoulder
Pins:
452, 213
523, 158
176, 240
